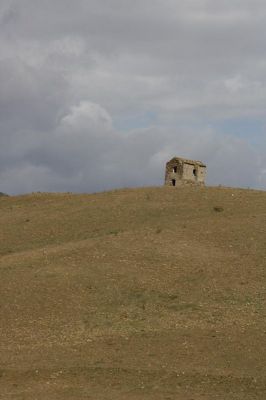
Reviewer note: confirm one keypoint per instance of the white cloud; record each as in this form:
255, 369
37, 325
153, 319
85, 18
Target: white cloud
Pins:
86, 116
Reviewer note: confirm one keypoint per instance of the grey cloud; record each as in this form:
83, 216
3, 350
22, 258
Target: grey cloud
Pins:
70, 71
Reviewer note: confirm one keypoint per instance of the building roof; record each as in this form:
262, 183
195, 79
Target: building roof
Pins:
186, 161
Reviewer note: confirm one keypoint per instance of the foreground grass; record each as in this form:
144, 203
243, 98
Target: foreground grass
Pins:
151, 293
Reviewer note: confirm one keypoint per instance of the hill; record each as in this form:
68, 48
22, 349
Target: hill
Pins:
151, 293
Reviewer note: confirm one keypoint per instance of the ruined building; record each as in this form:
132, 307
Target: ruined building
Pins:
180, 171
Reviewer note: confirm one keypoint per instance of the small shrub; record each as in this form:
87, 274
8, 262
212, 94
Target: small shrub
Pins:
218, 209
114, 232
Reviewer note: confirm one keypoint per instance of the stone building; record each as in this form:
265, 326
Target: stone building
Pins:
180, 171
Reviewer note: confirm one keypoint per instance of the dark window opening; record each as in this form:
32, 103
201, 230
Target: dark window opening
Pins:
194, 172
175, 169
173, 182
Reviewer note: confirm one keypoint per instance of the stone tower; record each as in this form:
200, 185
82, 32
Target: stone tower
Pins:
180, 171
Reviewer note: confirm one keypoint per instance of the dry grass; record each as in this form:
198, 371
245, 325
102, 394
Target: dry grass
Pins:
151, 293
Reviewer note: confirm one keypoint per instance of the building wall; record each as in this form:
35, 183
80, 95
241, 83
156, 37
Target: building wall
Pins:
190, 172
202, 174
194, 173
171, 175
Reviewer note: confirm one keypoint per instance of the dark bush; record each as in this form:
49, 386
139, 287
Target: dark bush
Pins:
218, 209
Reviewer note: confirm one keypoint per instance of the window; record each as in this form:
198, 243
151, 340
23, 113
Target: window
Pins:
175, 169
194, 172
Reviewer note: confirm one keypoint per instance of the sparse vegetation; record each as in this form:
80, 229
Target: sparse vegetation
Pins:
111, 296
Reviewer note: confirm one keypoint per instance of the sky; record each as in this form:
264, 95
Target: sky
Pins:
100, 94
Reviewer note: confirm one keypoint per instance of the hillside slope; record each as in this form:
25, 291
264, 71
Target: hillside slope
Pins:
151, 293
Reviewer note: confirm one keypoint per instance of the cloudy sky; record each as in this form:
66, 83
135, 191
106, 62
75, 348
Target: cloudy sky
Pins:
99, 94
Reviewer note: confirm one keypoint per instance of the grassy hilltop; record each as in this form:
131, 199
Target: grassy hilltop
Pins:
155, 293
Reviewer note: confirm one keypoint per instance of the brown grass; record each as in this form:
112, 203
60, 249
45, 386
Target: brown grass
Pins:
151, 293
